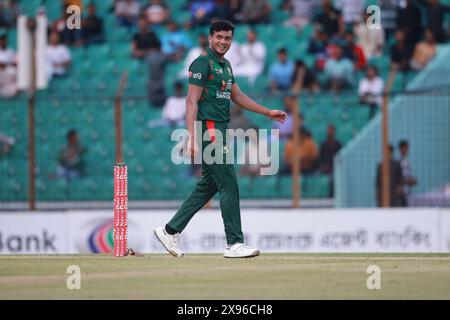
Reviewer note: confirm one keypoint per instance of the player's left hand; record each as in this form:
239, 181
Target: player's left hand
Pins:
278, 115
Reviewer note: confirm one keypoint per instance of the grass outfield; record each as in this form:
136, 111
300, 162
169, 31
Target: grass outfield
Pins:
270, 276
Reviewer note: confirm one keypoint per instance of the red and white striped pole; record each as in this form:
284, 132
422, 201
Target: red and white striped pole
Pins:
120, 210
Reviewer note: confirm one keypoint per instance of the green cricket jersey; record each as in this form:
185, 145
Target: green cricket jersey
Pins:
216, 78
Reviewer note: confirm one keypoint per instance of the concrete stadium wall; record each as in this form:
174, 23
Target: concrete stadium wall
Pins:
271, 230
423, 120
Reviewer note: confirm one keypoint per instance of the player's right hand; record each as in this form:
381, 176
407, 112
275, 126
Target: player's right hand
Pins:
192, 148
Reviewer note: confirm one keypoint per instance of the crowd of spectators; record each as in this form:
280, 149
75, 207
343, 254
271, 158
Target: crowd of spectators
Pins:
343, 48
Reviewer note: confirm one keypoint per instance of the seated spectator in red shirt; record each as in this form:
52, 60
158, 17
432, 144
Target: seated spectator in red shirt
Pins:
354, 52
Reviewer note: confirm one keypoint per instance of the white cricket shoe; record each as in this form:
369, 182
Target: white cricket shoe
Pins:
170, 242
239, 250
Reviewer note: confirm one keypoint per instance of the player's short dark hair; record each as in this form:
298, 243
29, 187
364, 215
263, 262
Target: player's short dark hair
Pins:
403, 143
221, 25
282, 50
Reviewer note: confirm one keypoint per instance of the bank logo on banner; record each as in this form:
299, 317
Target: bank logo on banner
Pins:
96, 236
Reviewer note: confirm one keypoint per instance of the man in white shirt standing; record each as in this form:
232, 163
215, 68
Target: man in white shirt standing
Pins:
8, 79
7, 55
370, 40
58, 56
371, 90
253, 58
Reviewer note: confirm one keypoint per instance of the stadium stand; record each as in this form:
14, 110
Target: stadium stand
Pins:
85, 98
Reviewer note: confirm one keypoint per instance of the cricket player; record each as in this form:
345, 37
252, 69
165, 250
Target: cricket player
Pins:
211, 87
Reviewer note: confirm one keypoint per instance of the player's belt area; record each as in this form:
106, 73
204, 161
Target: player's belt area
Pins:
211, 125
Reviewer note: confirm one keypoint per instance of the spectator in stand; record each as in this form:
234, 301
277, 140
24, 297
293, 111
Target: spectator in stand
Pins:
308, 153
435, 13
389, 9
354, 52
71, 163
253, 57
144, 40
238, 119
255, 11
370, 40
409, 19
67, 36
174, 110
395, 183
408, 179
352, 11
127, 12
400, 52
281, 71
329, 19
175, 40
6, 143
309, 78
8, 78
203, 44
318, 47
202, 11
328, 149
371, 90
157, 61
302, 12
7, 55
234, 56
157, 12
338, 70
285, 129
9, 12
92, 27
58, 56
424, 51
234, 14
78, 3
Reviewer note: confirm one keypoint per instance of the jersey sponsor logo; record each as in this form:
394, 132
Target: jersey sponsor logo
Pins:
195, 75
223, 95
229, 70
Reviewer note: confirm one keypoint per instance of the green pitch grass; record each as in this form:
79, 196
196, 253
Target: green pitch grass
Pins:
270, 276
